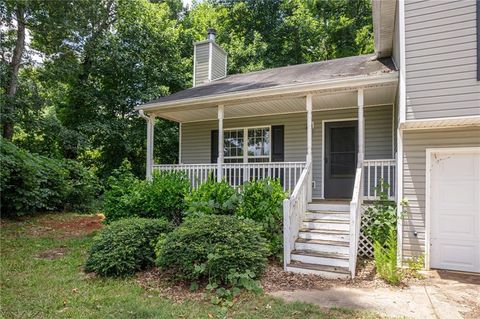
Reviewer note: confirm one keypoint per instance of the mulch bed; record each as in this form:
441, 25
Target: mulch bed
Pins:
70, 226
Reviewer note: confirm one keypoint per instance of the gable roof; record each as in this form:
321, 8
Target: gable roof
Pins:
344, 68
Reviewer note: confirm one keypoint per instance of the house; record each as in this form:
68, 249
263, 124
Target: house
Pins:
408, 114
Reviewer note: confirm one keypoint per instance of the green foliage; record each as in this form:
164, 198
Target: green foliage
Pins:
383, 216
211, 247
128, 196
262, 201
126, 246
30, 183
213, 198
385, 255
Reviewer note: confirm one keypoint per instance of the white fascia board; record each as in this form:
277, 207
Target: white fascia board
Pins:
446, 122
357, 81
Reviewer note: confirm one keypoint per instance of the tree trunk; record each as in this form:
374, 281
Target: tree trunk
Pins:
14, 68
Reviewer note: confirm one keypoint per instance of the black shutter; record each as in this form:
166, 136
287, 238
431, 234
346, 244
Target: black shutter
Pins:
214, 146
277, 143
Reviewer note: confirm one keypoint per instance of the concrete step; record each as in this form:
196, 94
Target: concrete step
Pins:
329, 272
339, 207
329, 224
322, 246
320, 258
335, 235
327, 214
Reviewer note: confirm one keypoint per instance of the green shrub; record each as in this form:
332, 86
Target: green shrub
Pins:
212, 247
383, 214
30, 182
262, 201
385, 256
125, 246
128, 196
83, 187
213, 198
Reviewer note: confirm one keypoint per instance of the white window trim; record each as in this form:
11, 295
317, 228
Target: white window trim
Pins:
245, 142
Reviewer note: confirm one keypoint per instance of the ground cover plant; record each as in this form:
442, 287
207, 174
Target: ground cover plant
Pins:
37, 284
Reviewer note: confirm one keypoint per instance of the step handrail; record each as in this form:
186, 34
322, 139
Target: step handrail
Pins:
356, 217
294, 209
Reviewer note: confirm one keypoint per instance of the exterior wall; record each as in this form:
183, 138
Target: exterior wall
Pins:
218, 63
378, 136
201, 63
396, 39
415, 145
441, 57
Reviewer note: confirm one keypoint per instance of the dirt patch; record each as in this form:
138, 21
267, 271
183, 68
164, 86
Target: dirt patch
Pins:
276, 279
157, 282
66, 226
53, 253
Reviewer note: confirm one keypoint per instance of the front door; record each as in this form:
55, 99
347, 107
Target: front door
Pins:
340, 158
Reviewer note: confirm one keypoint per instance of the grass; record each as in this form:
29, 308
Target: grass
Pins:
33, 287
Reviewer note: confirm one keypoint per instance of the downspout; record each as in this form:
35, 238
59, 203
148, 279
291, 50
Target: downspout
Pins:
150, 129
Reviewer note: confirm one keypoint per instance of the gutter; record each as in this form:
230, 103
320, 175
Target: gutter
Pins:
384, 78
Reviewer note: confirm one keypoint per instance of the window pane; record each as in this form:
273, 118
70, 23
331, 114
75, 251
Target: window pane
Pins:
258, 142
233, 143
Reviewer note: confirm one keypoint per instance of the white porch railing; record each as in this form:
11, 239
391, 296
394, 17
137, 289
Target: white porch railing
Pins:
294, 209
355, 218
376, 171
237, 173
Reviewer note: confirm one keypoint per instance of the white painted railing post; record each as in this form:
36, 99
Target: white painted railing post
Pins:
220, 143
286, 233
361, 125
309, 107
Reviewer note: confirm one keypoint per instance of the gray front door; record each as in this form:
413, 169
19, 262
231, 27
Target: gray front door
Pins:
340, 158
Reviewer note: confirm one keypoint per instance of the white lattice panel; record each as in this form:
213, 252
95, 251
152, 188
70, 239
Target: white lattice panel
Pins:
365, 246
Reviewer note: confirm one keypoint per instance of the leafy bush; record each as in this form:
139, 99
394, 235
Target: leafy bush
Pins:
30, 182
385, 255
128, 196
213, 198
211, 247
126, 246
262, 201
383, 215
83, 187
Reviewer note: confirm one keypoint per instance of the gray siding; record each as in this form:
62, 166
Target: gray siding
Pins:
414, 183
440, 45
201, 63
218, 63
378, 134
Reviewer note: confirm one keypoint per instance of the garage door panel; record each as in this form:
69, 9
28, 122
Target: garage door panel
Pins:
455, 210
454, 226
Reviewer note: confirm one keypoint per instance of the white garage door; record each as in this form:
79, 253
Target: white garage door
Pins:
455, 210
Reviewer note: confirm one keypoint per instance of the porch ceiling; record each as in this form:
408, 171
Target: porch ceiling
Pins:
338, 99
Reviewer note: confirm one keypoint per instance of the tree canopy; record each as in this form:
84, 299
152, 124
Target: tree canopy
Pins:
72, 71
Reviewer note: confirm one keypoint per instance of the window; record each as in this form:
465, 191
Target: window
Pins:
256, 148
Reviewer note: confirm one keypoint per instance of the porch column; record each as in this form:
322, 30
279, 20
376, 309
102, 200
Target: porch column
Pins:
150, 131
309, 108
361, 126
220, 144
